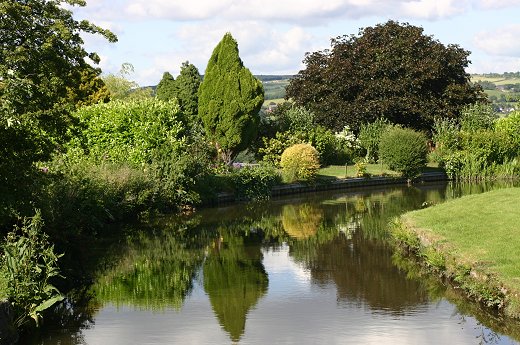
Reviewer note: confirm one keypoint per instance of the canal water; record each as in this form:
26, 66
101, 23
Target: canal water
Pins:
312, 269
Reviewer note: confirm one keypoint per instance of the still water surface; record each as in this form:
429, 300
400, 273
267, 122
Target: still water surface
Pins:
316, 269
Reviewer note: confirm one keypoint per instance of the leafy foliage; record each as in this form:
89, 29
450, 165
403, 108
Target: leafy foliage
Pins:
272, 150
42, 69
122, 88
128, 132
478, 116
299, 162
255, 183
29, 263
404, 150
370, 136
392, 71
511, 126
229, 100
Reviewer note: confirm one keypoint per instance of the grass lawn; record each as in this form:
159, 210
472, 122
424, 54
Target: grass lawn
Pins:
338, 171
479, 230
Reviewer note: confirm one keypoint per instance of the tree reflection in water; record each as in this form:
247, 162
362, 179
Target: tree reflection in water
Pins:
341, 239
235, 279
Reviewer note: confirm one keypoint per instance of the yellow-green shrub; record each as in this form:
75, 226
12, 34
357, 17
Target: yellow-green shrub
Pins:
299, 162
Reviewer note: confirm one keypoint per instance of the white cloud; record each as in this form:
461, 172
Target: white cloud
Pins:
302, 12
494, 4
434, 9
498, 64
503, 41
260, 45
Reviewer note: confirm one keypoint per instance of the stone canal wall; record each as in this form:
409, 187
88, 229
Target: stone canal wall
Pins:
297, 188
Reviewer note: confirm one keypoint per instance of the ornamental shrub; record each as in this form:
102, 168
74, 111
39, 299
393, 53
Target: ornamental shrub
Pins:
403, 150
299, 162
254, 183
274, 147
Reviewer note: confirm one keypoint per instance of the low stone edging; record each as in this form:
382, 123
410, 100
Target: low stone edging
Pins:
356, 182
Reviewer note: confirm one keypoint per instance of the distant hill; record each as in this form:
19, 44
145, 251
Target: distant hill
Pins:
503, 89
272, 77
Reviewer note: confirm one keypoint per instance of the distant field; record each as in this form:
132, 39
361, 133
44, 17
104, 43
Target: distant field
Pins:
276, 100
275, 89
496, 93
496, 80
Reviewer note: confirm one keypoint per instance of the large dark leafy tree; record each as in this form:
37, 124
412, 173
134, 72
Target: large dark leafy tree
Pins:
42, 79
392, 71
230, 98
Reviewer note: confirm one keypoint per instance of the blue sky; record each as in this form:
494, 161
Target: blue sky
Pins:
273, 35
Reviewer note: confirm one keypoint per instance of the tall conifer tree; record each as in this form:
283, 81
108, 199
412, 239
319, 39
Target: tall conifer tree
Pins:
188, 83
167, 87
230, 98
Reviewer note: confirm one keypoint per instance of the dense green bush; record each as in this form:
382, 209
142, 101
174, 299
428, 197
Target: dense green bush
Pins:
82, 197
131, 132
299, 162
254, 183
483, 154
272, 149
490, 146
403, 150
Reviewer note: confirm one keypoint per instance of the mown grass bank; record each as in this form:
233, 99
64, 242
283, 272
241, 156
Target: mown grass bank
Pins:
474, 241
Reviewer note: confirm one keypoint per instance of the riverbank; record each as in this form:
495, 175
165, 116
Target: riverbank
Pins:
474, 242
339, 183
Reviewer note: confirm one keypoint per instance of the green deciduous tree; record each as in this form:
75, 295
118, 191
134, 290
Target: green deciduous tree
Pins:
121, 87
42, 61
392, 71
230, 98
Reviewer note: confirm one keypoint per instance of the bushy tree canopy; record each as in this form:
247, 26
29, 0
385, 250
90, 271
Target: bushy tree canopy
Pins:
121, 87
392, 71
42, 62
230, 98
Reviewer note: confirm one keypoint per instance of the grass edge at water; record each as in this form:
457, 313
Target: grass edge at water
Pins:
471, 241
